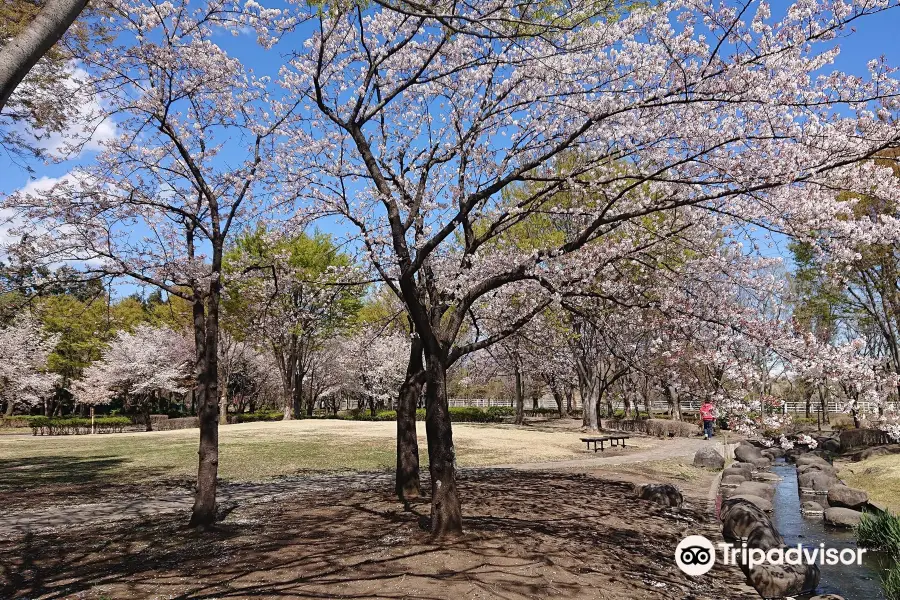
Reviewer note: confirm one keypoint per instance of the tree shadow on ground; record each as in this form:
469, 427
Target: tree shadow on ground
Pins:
38, 471
528, 535
53, 479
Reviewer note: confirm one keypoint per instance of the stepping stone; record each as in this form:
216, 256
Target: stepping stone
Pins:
842, 517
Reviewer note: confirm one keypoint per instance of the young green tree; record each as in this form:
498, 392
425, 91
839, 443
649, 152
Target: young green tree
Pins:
290, 293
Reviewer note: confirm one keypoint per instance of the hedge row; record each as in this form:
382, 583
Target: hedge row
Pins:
77, 425
265, 415
179, 423
458, 414
19, 420
657, 427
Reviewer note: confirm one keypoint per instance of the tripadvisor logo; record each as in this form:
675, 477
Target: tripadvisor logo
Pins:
695, 555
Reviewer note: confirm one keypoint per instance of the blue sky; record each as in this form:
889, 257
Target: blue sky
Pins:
874, 37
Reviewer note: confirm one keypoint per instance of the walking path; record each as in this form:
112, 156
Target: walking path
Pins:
230, 495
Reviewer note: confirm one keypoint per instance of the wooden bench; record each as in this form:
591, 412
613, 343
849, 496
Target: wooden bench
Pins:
595, 441
613, 440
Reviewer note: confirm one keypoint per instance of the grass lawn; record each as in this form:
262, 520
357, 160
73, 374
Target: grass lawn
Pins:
259, 451
879, 477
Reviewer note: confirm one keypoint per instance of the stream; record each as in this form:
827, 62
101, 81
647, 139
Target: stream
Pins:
856, 582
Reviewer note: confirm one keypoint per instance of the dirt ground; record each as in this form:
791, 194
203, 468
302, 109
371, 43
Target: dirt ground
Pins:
103, 518
528, 535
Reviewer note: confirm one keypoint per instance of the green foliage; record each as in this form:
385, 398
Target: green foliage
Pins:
304, 265
77, 425
890, 582
19, 420
265, 415
881, 532
458, 414
818, 297
84, 329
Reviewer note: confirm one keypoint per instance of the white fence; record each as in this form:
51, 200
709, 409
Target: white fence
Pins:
656, 405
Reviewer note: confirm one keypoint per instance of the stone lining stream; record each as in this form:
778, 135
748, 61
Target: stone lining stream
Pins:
852, 582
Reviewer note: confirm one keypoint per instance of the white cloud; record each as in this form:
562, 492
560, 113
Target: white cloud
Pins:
87, 130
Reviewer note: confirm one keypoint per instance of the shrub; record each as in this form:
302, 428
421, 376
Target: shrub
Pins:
670, 428
541, 410
890, 582
841, 426
880, 532
858, 438
657, 427
19, 420
77, 425
173, 424
498, 412
263, 415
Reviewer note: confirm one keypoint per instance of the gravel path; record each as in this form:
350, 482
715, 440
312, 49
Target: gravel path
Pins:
231, 495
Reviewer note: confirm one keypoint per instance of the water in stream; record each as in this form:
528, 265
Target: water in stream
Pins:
856, 582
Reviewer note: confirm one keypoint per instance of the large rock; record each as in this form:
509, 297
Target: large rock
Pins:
827, 597
757, 488
733, 480
740, 519
809, 459
811, 507
842, 517
831, 445
824, 467
766, 476
761, 503
762, 462
817, 482
742, 465
663, 494
782, 581
709, 458
773, 453
732, 472
847, 497
746, 453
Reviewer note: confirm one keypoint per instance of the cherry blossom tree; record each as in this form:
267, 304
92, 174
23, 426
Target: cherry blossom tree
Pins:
420, 118
190, 163
138, 366
373, 362
24, 348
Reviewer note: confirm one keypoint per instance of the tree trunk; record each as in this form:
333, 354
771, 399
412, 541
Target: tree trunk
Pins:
145, 408
519, 396
10, 405
407, 483
446, 512
808, 403
589, 406
20, 54
223, 407
558, 398
674, 402
288, 403
204, 510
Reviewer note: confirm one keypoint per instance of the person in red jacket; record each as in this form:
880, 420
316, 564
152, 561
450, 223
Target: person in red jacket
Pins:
708, 414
